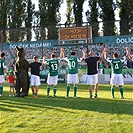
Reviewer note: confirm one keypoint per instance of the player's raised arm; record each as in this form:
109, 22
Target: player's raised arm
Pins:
128, 55
84, 54
62, 53
44, 60
103, 53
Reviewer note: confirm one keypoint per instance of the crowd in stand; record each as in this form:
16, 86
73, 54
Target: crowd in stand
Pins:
10, 57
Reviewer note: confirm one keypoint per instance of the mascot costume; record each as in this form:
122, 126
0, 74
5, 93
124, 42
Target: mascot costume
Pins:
22, 77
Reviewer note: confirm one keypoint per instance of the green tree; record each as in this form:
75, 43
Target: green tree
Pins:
70, 18
92, 16
29, 12
126, 7
108, 17
50, 16
3, 20
16, 9
131, 22
43, 19
36, 25
78, 10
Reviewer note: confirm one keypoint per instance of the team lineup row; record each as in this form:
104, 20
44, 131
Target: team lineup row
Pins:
72, 77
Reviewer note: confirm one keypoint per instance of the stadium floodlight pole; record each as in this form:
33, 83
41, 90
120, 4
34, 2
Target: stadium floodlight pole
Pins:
42, 47
41, 29
87, 40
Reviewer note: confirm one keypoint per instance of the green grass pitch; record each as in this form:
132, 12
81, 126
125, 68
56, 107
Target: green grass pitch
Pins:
71, 115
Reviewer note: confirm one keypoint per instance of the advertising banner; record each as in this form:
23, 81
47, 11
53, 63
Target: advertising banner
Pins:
117, 40
61, 76
30, 44
105, 78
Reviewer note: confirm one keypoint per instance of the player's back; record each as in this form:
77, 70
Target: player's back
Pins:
2, 62
116, 65
92, 65
73, 65
53, 67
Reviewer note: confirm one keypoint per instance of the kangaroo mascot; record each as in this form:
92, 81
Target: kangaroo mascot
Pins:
22, 77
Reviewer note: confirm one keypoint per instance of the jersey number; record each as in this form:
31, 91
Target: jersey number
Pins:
116, 66
72, 64
54, 66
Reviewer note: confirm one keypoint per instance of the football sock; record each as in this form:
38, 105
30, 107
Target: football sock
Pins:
95, 93
68, 89
121, 92
55, 90
48, 90
90, 95
75, 91
112, 91
1, 89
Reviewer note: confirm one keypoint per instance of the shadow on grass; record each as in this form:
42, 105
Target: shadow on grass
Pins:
6, 108
104, 87
102, 105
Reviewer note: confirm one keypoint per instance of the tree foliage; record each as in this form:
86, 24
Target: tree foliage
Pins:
29, 12
126, 7
3, 20
50, 16
70, 18
108, 17
19, 18
92, 16
16, 14
78, 9
16, 9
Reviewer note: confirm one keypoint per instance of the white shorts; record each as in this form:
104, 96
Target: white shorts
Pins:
100, 71
72, 79
35, 80
116, 79
52, 80
92, 79
2, 79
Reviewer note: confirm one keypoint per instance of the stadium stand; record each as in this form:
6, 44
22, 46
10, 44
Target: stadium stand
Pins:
97, 48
